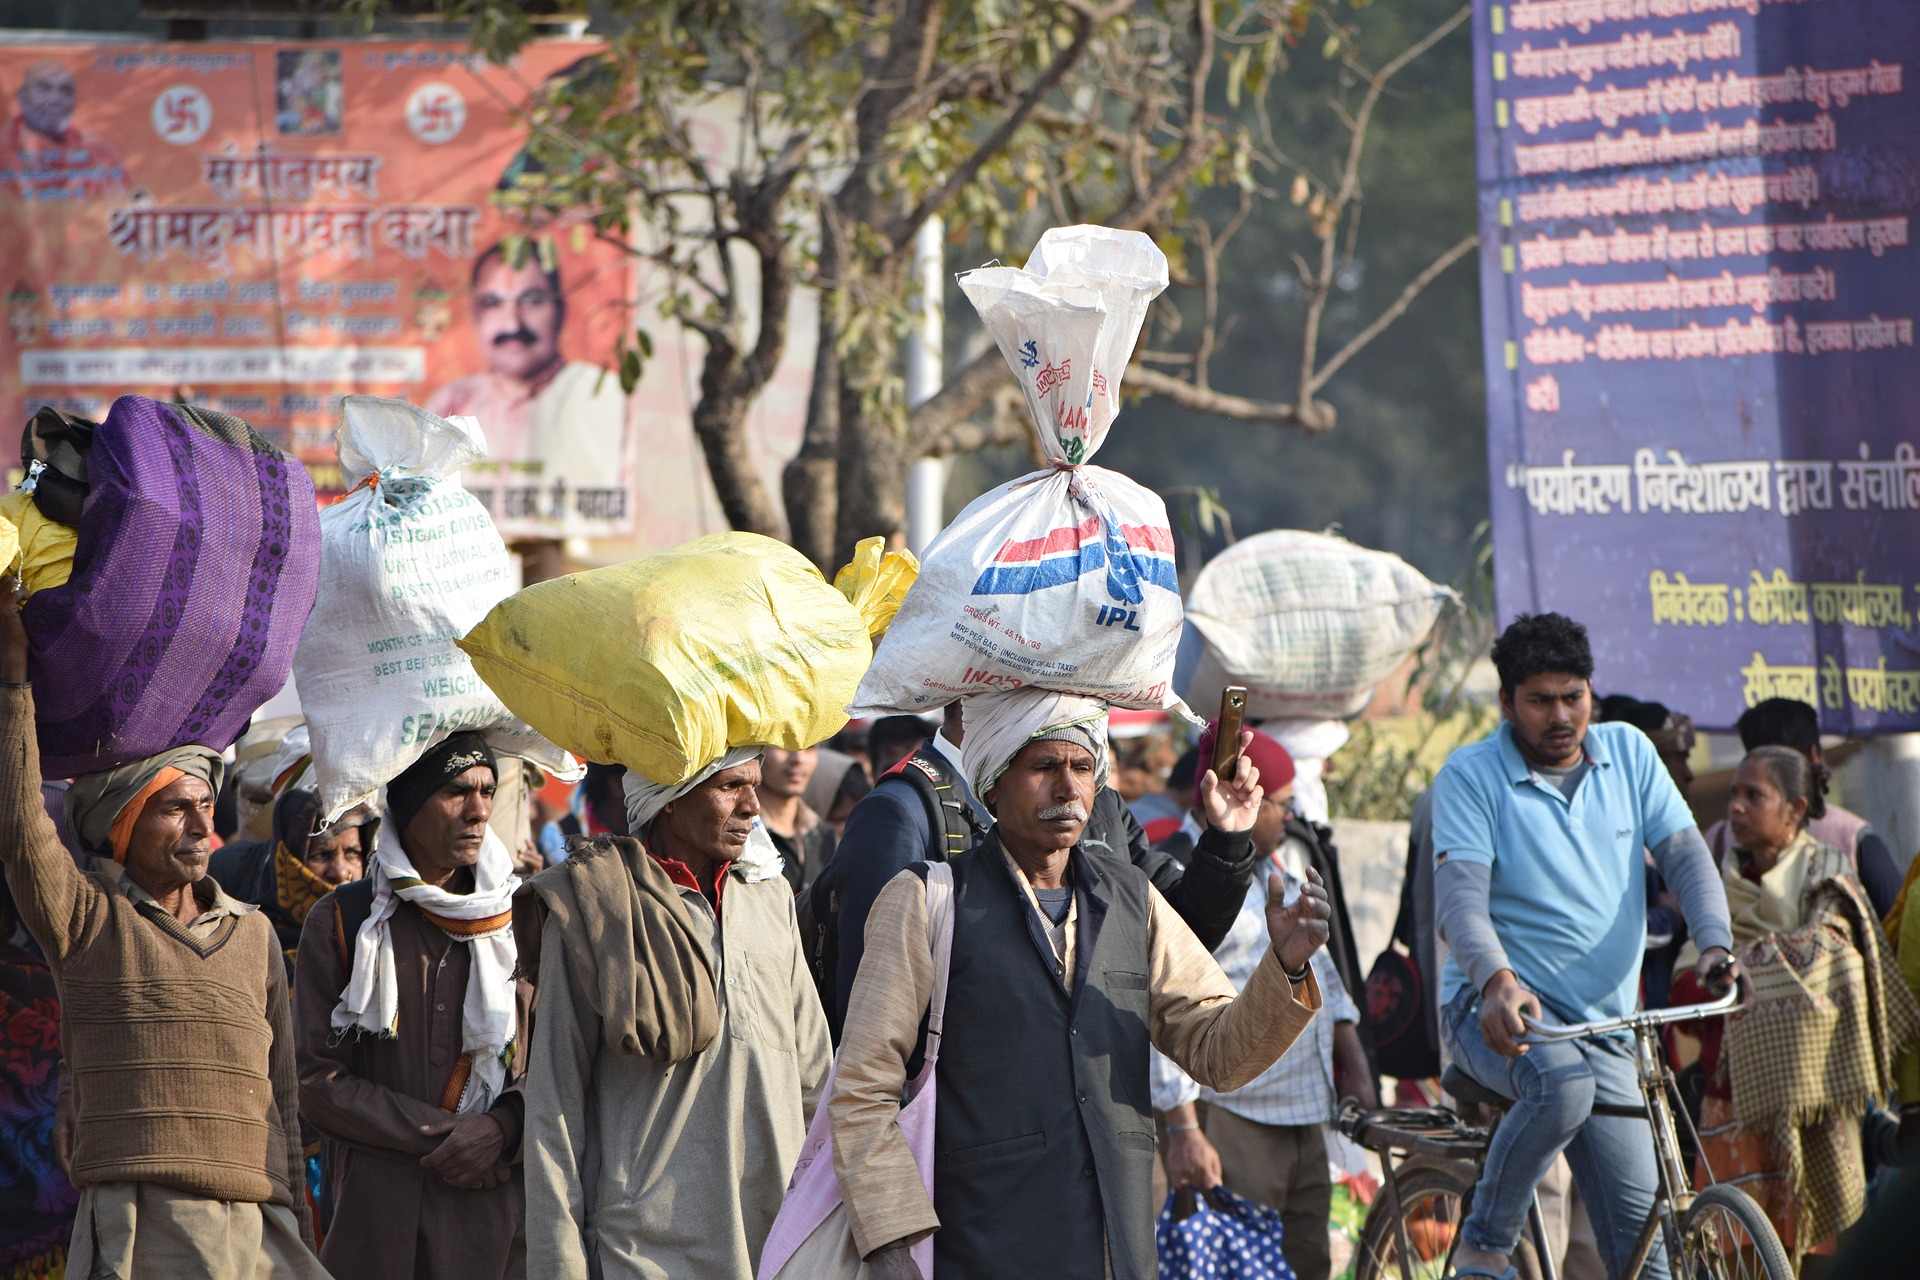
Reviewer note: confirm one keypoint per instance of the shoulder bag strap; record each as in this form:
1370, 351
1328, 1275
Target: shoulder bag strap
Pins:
940, 940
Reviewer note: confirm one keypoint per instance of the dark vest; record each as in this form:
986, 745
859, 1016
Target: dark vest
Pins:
1044, 1128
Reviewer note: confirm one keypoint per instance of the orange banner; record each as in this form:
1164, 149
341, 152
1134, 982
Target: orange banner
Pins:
261, 229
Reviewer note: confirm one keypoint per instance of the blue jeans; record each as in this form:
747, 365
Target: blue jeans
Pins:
1555, 1087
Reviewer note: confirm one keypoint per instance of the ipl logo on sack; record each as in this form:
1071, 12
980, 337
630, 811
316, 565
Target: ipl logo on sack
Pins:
1134, 556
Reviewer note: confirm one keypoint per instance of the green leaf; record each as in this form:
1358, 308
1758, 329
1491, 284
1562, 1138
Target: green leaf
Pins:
1237, 74
630, 370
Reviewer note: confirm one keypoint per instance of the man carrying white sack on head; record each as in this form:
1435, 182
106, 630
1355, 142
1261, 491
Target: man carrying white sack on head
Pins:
679, 1049
1066, 965
409, 1033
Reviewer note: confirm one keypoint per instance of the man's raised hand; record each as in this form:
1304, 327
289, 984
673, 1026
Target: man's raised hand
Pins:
1232, 804
1298, 929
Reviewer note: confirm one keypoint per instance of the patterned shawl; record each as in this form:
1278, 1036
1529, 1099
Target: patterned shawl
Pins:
1814, 1048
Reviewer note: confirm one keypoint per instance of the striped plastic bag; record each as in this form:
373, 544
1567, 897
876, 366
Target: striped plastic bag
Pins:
1063, 579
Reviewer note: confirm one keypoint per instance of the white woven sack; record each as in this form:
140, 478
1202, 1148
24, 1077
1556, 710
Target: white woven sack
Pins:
1064, 578
408, 561
1308, 622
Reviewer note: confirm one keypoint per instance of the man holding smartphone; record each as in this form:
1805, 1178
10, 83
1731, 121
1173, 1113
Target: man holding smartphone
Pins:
1540, 894
1267, 1140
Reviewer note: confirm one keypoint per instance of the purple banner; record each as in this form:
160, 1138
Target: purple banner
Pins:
1703, 392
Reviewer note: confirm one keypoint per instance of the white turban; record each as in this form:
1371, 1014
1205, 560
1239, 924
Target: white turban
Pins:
999, 724
646, 798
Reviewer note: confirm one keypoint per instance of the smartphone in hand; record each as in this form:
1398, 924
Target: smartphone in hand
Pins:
1226, 741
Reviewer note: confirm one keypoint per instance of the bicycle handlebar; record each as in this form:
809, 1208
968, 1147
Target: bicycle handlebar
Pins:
1648, 1018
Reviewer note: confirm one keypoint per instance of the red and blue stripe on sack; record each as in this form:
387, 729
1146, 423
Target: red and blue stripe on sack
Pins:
1132, 555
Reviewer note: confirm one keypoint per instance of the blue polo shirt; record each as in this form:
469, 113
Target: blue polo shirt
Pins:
1569, 893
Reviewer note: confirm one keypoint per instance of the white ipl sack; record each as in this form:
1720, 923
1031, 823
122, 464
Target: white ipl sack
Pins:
409, 561
1064, 578
1308, 622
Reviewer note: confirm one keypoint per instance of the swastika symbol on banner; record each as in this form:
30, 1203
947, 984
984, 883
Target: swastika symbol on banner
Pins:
436, 113
182, 114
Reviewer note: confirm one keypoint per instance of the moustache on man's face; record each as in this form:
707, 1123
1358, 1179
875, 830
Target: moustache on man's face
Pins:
522, 335
1072, 810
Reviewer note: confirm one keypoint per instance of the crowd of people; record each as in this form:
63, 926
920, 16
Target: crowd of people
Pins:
409, 1043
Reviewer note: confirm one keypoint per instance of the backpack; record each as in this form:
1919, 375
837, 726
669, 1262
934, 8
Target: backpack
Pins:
1398, 994
955, 829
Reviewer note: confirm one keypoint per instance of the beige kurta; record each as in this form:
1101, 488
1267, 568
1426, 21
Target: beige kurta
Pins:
670, 1172
1193, 1016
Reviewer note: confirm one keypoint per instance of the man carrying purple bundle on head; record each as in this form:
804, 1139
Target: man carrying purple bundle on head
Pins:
175, 1020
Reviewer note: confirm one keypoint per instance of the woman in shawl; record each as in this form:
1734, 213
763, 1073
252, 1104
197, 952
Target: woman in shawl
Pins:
301, 864
1800, 919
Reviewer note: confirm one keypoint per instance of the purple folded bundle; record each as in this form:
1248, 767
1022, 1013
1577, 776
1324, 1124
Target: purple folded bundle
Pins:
197, 564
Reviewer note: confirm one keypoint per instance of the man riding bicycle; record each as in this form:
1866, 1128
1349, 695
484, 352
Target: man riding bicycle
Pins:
1540, 895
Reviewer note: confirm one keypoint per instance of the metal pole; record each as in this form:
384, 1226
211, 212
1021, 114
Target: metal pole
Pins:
927, 481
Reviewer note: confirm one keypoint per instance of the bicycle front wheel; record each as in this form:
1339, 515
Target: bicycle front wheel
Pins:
1725, 1235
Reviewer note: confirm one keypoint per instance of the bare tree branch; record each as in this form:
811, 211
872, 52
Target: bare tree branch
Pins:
1000, 430
955, 402
1196, 140
901, 233
1319, 283
1318, 418
1394, 312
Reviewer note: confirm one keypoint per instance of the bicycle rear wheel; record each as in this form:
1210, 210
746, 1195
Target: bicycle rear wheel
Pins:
1725, 1235
1432, 1202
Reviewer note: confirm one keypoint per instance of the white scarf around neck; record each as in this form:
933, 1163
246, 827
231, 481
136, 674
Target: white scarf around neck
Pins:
371, 1002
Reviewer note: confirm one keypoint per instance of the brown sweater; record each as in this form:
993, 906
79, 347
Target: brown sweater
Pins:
180, 1048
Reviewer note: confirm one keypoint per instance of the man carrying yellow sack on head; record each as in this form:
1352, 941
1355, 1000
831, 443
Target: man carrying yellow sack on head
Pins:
680, 1048
680, 1044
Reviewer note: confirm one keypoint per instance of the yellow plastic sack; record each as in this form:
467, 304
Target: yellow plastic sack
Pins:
875, 581
45, 546
666, 663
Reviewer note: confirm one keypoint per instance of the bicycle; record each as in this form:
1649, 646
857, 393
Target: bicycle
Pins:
1718, 1233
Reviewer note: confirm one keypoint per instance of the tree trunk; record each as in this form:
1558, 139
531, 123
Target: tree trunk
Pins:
720, 424
872, 477
808, 485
